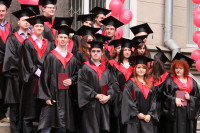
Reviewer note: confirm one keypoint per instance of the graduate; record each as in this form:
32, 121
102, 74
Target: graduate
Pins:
139, 100
58, 80
182, 97
13, 84
94, 92
122, 72
159, 76
5, 31
86, 19
48, 10
101, 14
87, 33
33, 52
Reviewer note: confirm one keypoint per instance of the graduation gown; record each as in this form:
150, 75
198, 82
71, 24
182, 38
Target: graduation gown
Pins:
80, 57
181, 119
31, 59
49, 33
61, 114
10, 68
93, 81
138, 99
76, 39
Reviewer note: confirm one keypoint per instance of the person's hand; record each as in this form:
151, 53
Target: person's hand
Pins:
179, 102
187, 96
141, 116
104, 99
48, 102
67, 82
99, 96
147, 118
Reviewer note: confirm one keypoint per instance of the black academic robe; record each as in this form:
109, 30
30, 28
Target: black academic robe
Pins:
49, 33
93, 81
61, 114
80, 57
76, 40
121, 76
10, 68
181, 119
135, 102
3, 37
31, 60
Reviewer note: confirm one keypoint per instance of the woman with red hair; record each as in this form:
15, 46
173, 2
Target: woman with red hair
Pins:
182, 98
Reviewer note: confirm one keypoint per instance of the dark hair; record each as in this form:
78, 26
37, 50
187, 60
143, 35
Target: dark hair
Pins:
184, 64
139, 47
158, 69
121, 57
114, 53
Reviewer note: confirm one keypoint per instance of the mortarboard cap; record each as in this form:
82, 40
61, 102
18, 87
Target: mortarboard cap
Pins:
182, 57
34, 8
115, 43
141, 59
86, 17
112, 21
100, 10
161, 55
139, 39
46, 2
64, 29
85, 30
7, 3
101, 38
22, 13
63, 20
37, 20
127, 43
141, 28
96, 44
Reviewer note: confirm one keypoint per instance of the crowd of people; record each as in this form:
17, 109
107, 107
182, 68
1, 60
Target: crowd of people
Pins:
87, 81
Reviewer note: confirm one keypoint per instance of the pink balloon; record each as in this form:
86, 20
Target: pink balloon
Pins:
198, 43
122, 1
23, 1
119, 33
196, 1
196, 11
196, 37
196, 20
126, 16
198, 65
33, 2
195, 54
116, 7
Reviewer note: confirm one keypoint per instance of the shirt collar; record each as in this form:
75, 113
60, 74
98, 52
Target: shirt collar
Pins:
60, 51
92, 63
4, 23
21, 33
35, 38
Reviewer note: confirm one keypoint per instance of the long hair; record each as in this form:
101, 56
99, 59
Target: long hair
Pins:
146, 76
121, 57
158, 69
83, 45
139, 47
114, 53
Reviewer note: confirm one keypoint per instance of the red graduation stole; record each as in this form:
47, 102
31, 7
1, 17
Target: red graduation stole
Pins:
56, 41
126, 72
144, 88
162, 77
63, 60
99, 70
70, 46
4, 34
109, 48
50, 27
181, 86
40, 51
19, 37
112, 62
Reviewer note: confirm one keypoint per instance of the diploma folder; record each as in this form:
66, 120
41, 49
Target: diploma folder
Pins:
61, 78
104, 89
181, 95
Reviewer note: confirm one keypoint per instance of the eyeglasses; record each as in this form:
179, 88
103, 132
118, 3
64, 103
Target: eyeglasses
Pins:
98, 51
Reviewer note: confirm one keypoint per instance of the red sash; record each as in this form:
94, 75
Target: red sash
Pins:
63, 60
49, 25
70, 46
4, 34
112, 62
19, 37
181, 86
126, 72
162, 77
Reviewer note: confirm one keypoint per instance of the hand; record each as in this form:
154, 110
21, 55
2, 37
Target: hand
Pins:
67, 82
48, 102
104, 99
179, 102
99, 96
187, 96
141, 116
147, 118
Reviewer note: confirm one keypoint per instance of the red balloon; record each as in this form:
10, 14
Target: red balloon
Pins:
116, 7
23, 1
198, 65
195, 55
126, 16
196, 11
33, 2
122, 1
119, 33
198, 43
196, 20
196, 1
196, 37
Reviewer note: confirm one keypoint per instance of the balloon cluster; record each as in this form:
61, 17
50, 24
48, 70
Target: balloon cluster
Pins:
30, 2
123, 15
196, 36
